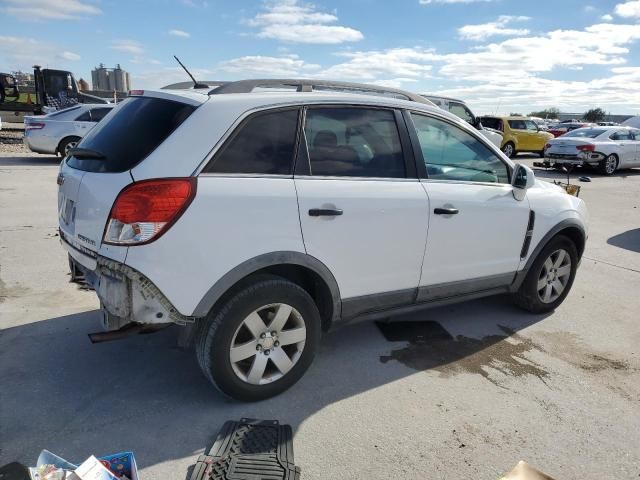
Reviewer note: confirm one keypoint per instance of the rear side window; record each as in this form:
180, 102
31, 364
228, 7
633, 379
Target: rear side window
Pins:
354, 142
517, 124
138, 126
264, 144
85, 117
98, 114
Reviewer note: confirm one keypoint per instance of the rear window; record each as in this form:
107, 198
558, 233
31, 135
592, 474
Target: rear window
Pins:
586, 132
139, 125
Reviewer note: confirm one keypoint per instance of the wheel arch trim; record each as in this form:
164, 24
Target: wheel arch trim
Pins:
253, 265
555, 230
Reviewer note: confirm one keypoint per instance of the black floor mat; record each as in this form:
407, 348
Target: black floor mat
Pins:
249, 450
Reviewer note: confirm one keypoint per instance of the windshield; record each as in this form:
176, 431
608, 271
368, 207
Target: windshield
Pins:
586, 132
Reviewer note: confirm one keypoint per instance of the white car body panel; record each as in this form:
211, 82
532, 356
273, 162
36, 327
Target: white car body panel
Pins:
484, 239
552, 206
384, 224
231, 220
377, 245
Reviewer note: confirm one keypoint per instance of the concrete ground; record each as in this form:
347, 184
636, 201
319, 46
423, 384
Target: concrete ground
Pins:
477, 388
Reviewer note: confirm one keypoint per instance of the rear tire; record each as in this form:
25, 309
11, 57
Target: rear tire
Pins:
609, 165
250, 326
509, 149
550, 277
66, 144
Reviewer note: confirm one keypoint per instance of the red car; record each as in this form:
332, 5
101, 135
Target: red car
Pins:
563, 128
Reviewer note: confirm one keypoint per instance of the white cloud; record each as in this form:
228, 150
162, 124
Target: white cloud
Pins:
291, 21
628, 9
49, 9
483, 31
22, 53
179, 33
253, 65
70, 56
427, 2
377, 64
606, 17
128, 46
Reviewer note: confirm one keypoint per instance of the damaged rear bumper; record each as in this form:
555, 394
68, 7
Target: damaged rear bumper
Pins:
124, 292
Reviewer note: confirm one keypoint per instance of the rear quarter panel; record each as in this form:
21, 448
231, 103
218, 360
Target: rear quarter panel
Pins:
231, 220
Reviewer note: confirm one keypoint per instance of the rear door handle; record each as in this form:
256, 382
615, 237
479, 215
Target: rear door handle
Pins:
445, 211
325, 212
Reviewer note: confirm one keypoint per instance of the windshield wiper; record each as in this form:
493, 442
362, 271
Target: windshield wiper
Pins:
86, 154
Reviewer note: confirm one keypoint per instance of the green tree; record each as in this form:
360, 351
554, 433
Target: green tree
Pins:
515, 114
595, 115
552, 112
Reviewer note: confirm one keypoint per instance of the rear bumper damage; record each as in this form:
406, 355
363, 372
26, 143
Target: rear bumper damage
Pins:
124, 293
584, 158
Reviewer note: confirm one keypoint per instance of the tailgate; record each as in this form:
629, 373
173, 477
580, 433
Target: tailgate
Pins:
84, 202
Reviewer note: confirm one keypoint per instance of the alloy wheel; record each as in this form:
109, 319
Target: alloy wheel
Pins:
69, 146
554, 276
610, 164
508, 150
267, 344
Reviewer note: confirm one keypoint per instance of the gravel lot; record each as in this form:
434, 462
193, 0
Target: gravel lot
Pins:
485, 386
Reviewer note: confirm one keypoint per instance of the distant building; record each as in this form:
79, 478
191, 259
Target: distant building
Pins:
110, 79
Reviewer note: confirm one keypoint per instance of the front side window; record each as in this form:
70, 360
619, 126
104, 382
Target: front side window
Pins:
264, 144
450, 153
354, 142
531, 125
461, 111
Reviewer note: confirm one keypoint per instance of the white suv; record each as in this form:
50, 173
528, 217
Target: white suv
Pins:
264, 219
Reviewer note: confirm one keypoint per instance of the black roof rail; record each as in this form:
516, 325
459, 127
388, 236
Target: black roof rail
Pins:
309, 85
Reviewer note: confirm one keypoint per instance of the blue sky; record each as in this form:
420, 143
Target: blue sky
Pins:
498, 55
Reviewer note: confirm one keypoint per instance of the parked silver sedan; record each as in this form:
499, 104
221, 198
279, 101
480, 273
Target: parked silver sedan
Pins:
60, 131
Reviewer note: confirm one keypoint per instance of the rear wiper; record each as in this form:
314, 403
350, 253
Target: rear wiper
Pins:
86, 154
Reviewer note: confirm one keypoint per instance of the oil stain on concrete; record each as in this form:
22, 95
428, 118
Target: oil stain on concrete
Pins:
431, 347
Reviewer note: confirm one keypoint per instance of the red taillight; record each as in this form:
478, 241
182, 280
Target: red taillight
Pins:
136, 92
589, 147
34, 126
145, 210
547, 146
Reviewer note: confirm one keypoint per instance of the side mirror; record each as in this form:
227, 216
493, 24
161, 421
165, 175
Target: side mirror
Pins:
477, 123
523, 179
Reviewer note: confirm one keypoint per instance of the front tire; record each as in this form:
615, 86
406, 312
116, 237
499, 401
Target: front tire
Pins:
261, 340
609, 165
550, 277
509, 149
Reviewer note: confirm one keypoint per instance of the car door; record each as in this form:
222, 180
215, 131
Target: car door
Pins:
536, 140
363, 211
519, 130
476, 226
83, 123
635, 133
627, 146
